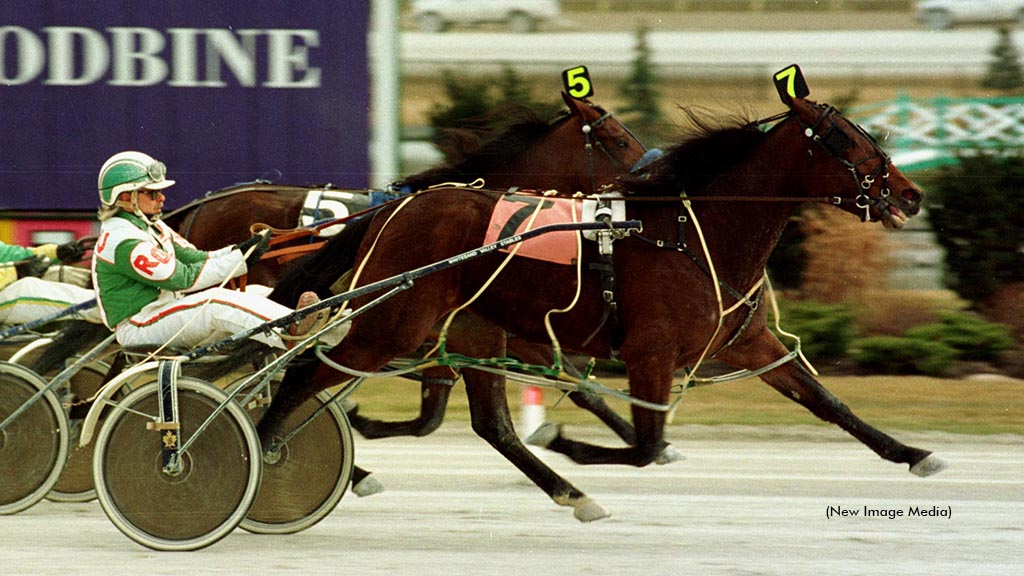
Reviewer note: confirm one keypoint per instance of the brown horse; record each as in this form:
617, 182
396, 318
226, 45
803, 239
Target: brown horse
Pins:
740, 184
580, 150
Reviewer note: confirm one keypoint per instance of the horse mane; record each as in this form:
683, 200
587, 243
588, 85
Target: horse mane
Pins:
706, 149
486, 143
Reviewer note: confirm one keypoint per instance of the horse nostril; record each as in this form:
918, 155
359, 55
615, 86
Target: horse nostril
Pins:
911, 195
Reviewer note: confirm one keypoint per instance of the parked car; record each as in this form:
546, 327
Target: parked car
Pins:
944, 14
518, 15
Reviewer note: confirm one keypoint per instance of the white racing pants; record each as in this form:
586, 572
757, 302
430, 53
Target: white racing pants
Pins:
30, 299
201, 318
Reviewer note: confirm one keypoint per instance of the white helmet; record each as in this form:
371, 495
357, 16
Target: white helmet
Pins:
130, 171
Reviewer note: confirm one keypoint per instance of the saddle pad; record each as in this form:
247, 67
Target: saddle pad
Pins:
513, 212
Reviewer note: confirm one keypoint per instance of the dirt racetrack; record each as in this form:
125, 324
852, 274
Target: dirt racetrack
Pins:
745, 501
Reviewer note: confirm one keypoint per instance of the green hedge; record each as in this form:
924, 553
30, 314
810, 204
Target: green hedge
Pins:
933, 348
972, 337
825, 330
904, 355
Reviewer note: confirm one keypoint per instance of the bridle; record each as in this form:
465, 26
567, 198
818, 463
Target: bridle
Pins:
591, 142
830, 137
835, 141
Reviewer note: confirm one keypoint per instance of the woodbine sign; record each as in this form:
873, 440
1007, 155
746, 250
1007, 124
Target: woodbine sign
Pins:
221, 91
181, 57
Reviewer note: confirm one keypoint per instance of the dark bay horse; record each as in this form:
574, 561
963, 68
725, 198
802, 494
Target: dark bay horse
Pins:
741, 184
582, 149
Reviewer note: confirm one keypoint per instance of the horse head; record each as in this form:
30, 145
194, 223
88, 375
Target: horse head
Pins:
608, 147
877, 190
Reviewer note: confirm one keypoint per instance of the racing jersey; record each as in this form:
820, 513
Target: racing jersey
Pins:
14, 253
135, 264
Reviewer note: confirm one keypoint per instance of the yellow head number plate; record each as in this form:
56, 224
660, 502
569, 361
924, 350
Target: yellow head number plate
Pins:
576, 82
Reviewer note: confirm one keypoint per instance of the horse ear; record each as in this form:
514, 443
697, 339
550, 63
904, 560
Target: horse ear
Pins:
791, 84
573, 104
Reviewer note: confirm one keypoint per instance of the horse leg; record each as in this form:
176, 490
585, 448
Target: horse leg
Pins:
651, 385
434, 391
796, 383
531, 353
491, 420
549, 433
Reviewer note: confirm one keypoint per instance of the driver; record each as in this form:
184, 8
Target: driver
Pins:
155, 287
24, 297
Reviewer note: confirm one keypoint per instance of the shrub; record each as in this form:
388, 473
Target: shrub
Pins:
972, 337
825, 330
904, 355
978, 219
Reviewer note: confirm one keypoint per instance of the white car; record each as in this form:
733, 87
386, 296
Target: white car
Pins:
518, 15
944, 14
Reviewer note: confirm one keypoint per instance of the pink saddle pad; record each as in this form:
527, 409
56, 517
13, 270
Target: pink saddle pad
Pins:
512, 214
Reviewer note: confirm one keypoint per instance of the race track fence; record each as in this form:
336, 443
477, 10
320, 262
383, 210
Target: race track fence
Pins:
938, 130
735, 5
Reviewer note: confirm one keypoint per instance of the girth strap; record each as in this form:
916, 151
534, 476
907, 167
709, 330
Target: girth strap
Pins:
605, 266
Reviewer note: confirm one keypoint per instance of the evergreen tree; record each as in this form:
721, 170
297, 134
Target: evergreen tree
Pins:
642, 111
514, 90
467, 97
473, 97
978, 218
1004, 71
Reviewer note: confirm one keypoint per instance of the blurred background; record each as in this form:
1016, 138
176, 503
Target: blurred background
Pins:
362, 94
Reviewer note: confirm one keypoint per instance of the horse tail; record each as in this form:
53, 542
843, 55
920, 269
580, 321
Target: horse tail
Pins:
75, 336
321, 269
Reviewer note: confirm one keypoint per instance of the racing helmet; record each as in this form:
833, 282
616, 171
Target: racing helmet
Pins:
130, 171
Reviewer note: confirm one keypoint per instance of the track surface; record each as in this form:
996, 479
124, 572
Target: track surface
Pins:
745, 501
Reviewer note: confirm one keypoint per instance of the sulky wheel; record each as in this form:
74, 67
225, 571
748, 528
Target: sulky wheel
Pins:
200, 503
33, 446
75, 484
305, 480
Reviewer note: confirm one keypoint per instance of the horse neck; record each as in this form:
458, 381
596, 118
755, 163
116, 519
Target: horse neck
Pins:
548, 165
741, 235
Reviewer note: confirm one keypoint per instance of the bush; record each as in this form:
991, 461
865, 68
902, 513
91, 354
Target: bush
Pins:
978, 219
972, 337
825, 330
904, 355
933, 348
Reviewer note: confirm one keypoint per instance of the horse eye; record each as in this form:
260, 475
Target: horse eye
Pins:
837, 140
622, 143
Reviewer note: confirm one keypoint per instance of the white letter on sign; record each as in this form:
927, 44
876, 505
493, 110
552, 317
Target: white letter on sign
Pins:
151, 69
95, 57
31, 56
288, 55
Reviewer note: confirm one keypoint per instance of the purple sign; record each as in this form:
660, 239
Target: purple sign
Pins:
222, 91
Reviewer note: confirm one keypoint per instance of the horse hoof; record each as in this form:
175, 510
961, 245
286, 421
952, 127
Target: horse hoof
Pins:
368, 487
931, 464
586, 510
544, 435
669, 455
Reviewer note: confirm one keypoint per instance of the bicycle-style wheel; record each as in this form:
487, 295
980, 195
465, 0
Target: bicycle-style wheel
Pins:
33, 446
305, 480
76, 484
195, 506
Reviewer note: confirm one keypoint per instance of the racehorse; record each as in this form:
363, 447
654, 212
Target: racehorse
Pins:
580, 150
713, 207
